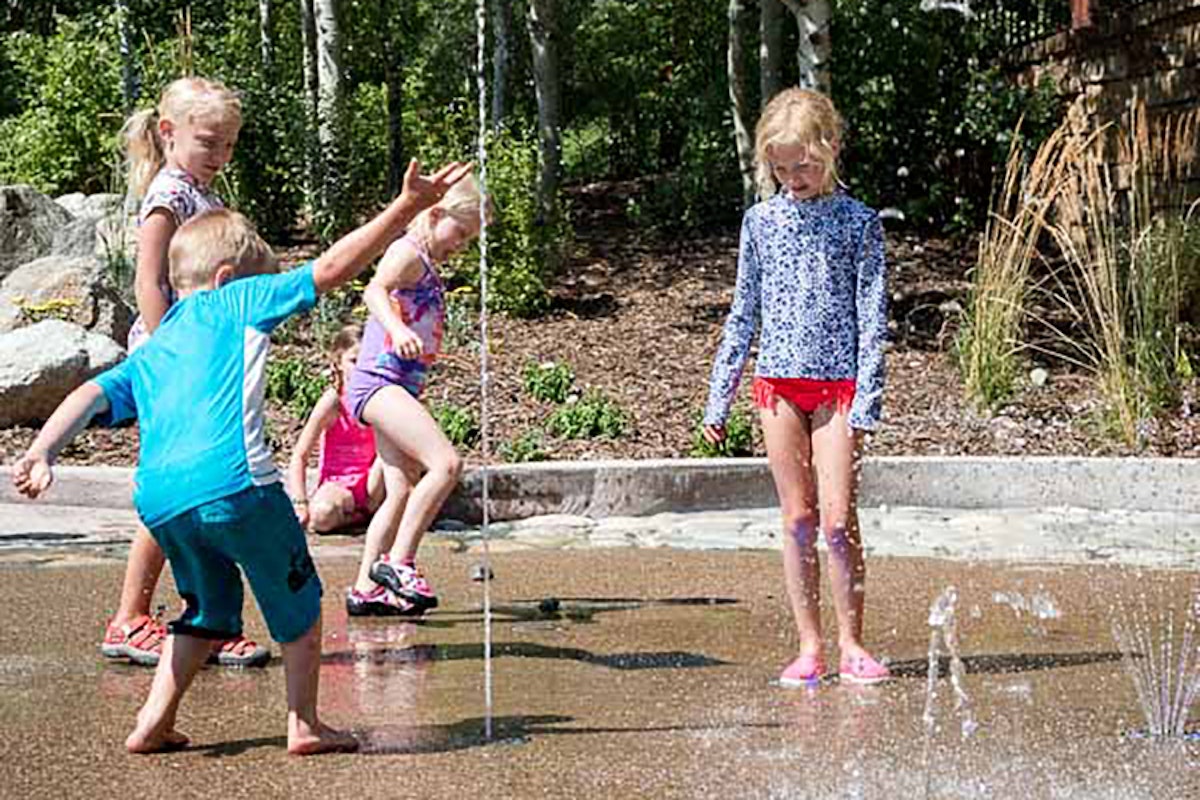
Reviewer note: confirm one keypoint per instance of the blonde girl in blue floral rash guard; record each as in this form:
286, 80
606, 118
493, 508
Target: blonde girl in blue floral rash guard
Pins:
811, 284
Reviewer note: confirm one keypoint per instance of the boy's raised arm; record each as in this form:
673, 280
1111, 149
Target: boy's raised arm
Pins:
352, 253
32, 473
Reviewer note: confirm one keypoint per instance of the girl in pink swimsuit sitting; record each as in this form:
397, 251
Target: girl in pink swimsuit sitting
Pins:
350, 486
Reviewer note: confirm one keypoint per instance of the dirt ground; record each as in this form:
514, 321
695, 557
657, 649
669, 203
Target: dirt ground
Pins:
637, 314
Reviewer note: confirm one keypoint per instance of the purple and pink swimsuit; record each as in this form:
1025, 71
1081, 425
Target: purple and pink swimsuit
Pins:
423, 309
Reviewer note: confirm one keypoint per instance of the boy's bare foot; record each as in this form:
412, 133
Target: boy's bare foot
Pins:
306, 741
148, 741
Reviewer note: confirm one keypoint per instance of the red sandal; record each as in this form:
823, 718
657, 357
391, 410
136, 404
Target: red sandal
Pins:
141, 641
239, 652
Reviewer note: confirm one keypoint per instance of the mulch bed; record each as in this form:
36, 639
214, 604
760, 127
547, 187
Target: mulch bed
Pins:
638, 314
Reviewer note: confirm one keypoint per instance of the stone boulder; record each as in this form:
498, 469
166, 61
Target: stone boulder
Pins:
30, 223
91, 205
67, 288
41, 364
99, 227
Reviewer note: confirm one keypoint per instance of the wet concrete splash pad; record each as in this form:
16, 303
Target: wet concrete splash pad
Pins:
618, 673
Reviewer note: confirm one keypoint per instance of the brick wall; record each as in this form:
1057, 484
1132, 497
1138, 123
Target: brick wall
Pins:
1132, 49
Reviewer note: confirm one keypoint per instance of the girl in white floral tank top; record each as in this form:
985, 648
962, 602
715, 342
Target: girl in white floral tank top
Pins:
175, 150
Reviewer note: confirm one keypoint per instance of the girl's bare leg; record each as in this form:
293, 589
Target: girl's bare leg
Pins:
376, 488
142, 569
404, 427
182, 658
330, 507
306, 734
835, 455
381, 532
789, 453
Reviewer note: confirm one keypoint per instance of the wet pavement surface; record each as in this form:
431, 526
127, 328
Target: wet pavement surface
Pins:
1171, 540
618, 672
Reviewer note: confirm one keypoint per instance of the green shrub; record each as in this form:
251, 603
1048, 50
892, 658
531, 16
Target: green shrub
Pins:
738, 441
295, 384
68, 90
592, 416
549, 381
586, 150
461, 307
522, 248
266, 175
458, 423
927, 119
705, 188
526, 447
266, 178
368, 158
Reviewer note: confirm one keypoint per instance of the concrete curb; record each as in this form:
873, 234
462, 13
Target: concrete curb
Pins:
636, 488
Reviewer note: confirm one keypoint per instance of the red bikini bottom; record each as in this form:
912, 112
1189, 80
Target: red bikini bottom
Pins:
805, 394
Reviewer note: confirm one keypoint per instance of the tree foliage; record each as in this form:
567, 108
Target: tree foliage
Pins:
644, 99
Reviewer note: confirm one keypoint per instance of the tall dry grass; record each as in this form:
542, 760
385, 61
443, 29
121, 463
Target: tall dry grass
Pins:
990, 342
1131, 256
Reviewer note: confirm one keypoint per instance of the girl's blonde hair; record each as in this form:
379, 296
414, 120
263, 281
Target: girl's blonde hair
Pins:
183, 101
349, 336
461, 204
797, 117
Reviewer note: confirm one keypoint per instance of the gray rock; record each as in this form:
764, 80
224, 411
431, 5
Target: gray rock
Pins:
41, 364
30, 222
101, 204
76, 238
73, 289
112, 231
75, 203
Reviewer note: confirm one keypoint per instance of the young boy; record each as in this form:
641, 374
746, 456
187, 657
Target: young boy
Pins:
206, 487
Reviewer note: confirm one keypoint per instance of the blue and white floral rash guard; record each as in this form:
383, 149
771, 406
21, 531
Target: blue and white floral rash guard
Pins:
813, 272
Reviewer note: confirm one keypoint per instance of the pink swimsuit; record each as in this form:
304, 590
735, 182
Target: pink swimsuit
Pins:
347, 453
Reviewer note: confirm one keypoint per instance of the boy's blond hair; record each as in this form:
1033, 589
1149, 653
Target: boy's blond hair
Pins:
797, 117
209, 240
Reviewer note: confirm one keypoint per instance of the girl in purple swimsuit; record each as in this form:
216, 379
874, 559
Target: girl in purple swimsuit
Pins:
401, 341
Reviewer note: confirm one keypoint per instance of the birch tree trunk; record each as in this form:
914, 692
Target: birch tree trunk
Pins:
770, 50
543, 34
129, 88
735, 70
308, 38
330, 116
264, 31
501, 33
812, 53
308, 43
393, 76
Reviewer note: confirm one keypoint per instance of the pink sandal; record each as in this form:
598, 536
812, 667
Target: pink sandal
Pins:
864, 671
804, 671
